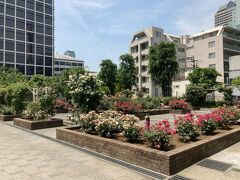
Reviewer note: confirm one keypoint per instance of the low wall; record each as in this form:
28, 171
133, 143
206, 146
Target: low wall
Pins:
167, 163
34, 125
141, 115
8, 117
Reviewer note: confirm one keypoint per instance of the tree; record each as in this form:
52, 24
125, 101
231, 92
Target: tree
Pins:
64, 78
205, 77
108, 74
70, 53
127, 73
163, 66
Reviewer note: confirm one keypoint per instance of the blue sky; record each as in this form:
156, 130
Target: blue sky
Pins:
101, 29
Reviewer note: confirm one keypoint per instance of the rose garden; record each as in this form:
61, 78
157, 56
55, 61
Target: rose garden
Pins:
114, 124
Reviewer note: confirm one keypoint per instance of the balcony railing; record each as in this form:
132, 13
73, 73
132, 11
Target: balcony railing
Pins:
237, 48
232, 36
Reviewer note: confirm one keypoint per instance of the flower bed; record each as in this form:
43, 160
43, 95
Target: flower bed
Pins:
8, 117
40, 124
179, 107
200, 131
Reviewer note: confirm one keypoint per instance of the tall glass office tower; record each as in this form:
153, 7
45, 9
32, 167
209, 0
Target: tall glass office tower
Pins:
27, 35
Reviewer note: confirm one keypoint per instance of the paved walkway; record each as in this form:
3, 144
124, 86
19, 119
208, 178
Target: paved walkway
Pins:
25, 156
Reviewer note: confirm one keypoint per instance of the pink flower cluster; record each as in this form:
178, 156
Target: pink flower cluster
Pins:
188, 118
164, 126
178, 104
208, 117
127, 107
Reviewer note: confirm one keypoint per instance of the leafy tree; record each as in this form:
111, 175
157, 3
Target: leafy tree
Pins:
9, 76
205, 77
163, 66
236, 82
64, 79
108, 74
127, 73
196, 95
228, 93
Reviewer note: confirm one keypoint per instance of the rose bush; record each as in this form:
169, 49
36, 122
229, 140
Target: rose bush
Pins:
127, 107
159, 135
178, 104
187, 127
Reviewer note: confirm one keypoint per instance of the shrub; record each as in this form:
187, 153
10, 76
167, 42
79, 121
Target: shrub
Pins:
61, 104
107, 103
107, 127
208, 123
127, 107
132, 131
159, 135
187, 128
34, 111
47, 103
6, 110
195, 95
178, 104
85, 91
87, 122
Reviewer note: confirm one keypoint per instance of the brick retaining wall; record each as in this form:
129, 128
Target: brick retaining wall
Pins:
167, 163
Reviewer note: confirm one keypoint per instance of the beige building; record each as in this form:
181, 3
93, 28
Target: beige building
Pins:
228, 15
139, 48
213, 48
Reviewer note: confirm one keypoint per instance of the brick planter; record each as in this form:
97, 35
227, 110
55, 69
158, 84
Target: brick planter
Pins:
167, 163
33, 125
180, 111
8, 117
141, 115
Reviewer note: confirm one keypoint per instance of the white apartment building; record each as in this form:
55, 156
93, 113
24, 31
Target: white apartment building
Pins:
139, 48
63, 62
228, 15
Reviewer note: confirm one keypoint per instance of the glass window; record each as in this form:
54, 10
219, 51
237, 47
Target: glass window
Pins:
30, 4
9, 45
20, 35
10, 21
2, 8
21, 68
10, 33
1, 55
49, 1
30, 48
48, 51
62, 63
20, 12
211, 55
48, 20
39, 60
11, 1
9, 65
48, 9
48, 71
39, 49
10, 10
20, 46
30, 15
20, 24
39, 39
39, 70
39, 17
1, 20
20, 58
1, 43
1, 32
30, 26
48, 30
48, 61
30, 70
211, 44
9, 57
39, 28
30, 37
48, 40
30, 59
21, 3
39, 6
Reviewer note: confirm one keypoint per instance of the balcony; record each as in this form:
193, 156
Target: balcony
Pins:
232, 36
231, 47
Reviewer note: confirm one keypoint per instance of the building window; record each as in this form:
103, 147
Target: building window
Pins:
213, 66
181, 50
226, 66
211, 55
211, 44
158, 34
